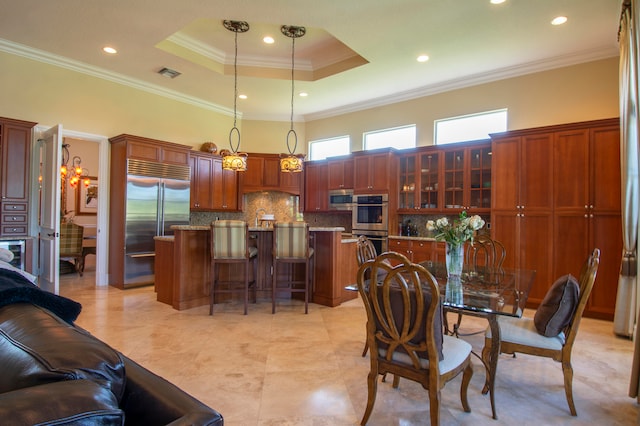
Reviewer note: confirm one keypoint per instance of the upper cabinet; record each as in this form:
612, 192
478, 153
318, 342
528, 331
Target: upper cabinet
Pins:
340, 172
374, 172
202, 174
419, 178
263, 174
436, 180
467, 178
15, 153
316, 194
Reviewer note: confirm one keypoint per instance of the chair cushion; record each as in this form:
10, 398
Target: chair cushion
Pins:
455, 351
557, 307
522, 331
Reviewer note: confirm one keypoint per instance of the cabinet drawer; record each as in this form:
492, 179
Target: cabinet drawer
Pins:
14, 208
9, 218
18, 229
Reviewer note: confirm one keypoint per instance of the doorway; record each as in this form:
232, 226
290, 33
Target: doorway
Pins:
84, 213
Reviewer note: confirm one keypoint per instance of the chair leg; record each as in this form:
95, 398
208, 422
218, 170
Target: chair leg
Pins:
372, 386
567, 371
306, 287
246, 286
274, 283
366, 349
434, 405
211, 290
466, 379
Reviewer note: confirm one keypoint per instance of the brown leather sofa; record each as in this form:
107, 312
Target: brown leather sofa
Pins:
55, 373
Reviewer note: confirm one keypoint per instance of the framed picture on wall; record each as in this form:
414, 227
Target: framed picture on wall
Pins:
87, 197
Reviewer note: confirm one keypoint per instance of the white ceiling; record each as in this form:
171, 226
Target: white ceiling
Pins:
468, 42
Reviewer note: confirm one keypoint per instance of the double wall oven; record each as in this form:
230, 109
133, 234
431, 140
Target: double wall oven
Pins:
371, 219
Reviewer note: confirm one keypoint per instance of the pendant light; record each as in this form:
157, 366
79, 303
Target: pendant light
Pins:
292, 162
234, 160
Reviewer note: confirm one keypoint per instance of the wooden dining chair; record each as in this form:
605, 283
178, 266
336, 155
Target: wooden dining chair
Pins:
230, 246
365, 250
71, 236
404, 331
553, 329
485, 255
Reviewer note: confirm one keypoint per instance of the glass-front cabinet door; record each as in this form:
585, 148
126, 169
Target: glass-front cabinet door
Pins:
407, 182
480, 178
429, 180
454, 183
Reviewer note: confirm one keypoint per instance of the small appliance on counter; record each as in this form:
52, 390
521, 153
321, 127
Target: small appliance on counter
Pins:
267, 221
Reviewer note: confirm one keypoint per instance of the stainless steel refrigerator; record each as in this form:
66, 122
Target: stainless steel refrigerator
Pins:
157, 197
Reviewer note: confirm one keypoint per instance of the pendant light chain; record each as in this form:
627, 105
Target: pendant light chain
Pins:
295, 145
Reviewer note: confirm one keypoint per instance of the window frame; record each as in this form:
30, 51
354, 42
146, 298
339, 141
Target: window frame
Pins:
460, 118
389, 130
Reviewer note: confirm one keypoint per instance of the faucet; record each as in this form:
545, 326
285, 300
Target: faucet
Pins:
263, 211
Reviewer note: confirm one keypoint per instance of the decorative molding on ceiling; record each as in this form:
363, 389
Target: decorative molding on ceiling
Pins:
477, 79
62, 62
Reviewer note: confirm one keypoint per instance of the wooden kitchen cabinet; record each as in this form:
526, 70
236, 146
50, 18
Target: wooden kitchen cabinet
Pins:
263, 174
417, 250
213, 189
418, 182
15, 157
226, 195
556, 196
374, 172
202, 183
340, 173
316, 193
522, 213
467, 178
587, 214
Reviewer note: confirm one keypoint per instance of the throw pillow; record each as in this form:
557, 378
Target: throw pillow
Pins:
557, 307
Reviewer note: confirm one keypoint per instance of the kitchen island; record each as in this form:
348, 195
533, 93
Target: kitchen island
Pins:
183, 266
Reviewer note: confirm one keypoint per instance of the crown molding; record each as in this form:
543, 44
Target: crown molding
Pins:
474, 80
62, 62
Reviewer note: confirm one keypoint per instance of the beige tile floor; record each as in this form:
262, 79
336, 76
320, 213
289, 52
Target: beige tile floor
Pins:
296, 369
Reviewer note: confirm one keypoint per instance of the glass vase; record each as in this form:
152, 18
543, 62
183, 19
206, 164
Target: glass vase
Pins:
455, 259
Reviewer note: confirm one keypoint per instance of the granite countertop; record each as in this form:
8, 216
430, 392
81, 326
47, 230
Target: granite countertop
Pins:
413, 237
163, 238
16, 238
191, 227
311, 229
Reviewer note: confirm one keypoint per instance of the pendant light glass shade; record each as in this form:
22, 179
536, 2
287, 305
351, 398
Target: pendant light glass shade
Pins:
292, 162
234, 160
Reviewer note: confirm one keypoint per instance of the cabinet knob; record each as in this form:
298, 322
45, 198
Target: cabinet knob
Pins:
591, 206
586, 215
586, 206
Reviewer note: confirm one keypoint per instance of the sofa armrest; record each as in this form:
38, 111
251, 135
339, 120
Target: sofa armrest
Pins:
151, 400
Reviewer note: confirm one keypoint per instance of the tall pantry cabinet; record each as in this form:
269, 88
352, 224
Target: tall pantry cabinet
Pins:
556, 196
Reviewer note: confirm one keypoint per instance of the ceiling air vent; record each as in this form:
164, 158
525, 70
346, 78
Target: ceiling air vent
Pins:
168, 72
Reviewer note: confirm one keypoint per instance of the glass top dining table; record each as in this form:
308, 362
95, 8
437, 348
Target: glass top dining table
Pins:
486, 293
482, 290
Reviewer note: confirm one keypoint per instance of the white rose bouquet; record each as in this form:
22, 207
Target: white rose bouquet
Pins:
456, 233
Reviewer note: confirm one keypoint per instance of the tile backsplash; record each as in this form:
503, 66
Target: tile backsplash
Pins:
285, 207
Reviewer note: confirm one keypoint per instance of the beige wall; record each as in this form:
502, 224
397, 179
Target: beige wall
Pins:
577, 93
49, 95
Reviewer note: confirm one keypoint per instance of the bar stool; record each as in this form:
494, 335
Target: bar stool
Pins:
291, 245
230, 245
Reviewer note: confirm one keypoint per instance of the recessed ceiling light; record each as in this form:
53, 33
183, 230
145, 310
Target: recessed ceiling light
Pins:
303, 94
559, 20
268, 40
109, 49
423, 58
497, 1
242, 96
